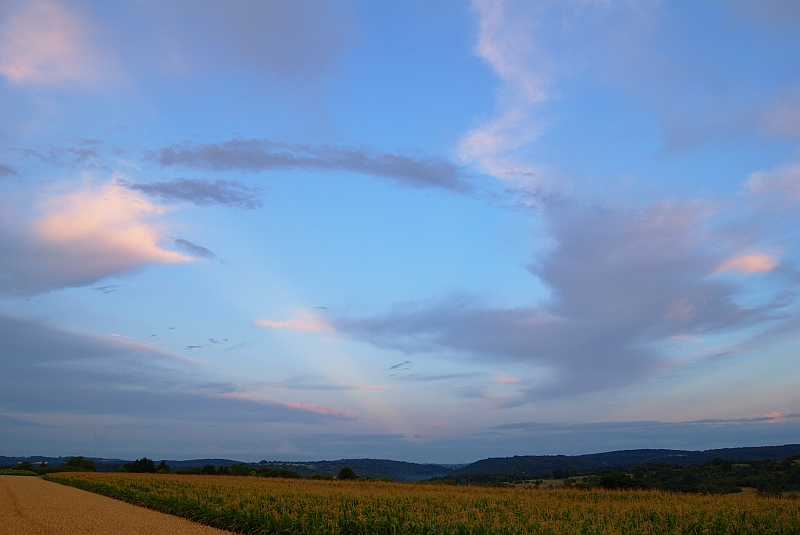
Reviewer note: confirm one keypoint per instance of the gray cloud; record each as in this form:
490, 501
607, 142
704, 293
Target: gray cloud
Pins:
622, 282
48, 370
107, 289
769, 14
65, 156
6, 170
29, 265
202, 192
288, 40
193, 249
262, 155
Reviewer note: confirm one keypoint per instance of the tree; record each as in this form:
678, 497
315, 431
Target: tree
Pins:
80, 463
208, 470
346, 473
163, 468
143, 465
619, 480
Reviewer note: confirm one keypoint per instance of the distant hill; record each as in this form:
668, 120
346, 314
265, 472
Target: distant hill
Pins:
528, 466
534, 466
103, 465
372, 468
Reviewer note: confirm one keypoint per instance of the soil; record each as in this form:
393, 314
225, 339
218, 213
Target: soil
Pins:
30, 505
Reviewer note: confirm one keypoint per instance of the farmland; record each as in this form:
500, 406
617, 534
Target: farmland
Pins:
259, 505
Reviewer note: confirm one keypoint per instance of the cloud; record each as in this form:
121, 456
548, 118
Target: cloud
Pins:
749, 263
79, 238
81, 156
46, 44
262, 155
769, 14
305, 321
507, 42
193, 249
107, 289
202, 192
49, 370
780, 188
782, 117
6, 170
283, 40
623, 282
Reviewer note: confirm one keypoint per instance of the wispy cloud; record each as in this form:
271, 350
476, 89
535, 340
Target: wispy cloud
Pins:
193, 249
262, 155
304, 321
203, 192
6, 170
507, 42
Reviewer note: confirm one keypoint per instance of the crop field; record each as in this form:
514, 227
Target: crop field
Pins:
289, 507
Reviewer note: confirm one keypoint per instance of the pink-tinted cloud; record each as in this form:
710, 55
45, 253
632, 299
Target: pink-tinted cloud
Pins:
779, 417
44, 43
749, 263
304, 321
80, 237
106, 226
305, 407
508, 381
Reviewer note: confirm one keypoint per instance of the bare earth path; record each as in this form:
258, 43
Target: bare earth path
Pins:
29, 505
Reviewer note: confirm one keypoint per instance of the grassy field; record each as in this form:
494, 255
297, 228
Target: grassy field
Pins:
287, 507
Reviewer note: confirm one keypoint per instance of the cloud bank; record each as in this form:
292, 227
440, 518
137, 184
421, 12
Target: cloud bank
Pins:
623, 283
49, 370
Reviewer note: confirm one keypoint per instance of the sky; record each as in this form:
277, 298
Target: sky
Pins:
422, 231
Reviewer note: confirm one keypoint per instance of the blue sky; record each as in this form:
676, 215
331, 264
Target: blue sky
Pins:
432, 232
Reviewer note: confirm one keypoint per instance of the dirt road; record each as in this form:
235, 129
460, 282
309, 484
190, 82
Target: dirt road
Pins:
29, 505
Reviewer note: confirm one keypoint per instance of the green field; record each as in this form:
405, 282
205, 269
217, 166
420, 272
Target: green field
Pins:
282, 506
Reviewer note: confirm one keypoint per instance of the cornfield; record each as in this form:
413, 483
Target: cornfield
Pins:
307, 507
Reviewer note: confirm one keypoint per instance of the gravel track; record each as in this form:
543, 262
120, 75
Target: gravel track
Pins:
30, 505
